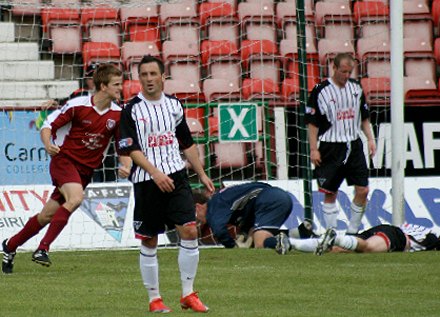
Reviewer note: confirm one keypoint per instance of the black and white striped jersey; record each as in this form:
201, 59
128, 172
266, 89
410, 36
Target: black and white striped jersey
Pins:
337, 112
159, 130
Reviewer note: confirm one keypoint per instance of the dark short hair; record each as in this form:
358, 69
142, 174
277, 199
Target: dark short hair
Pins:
104, 73
199, 197
152, 59
342, 56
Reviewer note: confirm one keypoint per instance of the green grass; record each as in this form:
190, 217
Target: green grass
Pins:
237, 282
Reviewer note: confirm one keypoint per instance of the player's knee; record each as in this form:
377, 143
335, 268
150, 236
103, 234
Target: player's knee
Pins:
188, 231
362, 192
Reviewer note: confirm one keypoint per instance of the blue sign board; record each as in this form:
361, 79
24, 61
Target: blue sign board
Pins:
23, 159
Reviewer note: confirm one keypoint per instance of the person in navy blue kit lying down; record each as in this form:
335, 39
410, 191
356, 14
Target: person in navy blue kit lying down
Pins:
257, 209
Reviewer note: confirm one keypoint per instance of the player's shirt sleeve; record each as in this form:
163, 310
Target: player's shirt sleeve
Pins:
183, 134
128, 137
313, 114
59, 118
218, 217
365, 110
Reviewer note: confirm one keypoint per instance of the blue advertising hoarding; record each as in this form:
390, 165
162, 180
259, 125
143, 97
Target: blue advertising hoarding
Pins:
23, 159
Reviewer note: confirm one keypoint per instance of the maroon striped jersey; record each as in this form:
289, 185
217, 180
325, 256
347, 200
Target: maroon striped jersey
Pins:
82, 131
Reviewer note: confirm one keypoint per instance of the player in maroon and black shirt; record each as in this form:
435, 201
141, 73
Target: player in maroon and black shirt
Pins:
77, 137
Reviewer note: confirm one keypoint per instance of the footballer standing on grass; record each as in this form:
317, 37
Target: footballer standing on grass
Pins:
153, 131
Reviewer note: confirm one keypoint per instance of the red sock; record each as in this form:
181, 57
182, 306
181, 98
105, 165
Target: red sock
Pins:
30, 229
59, 221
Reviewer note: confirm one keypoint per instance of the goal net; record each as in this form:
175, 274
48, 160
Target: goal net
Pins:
234, 64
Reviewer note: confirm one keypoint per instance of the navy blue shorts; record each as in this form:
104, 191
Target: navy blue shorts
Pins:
272, 207
156, 211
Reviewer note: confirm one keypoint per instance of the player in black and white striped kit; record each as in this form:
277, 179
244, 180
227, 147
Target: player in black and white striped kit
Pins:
335, 115
153, 131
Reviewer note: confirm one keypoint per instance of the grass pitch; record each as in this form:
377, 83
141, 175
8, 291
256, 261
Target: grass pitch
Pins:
237, 283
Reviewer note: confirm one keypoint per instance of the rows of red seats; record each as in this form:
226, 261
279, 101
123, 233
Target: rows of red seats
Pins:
248, 49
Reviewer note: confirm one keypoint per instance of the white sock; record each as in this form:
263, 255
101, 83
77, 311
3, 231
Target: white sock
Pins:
356, 217
150, 271
304, 245
346, 242
188, 260
331, 212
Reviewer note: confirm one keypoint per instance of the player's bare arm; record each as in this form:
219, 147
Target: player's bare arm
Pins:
125, 166
165, 183
315, 156
366, 128
46, 138
192, 155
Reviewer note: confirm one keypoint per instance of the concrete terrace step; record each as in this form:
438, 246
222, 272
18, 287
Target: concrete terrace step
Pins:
7, 32
27, 70
21, 103
36, 89
19, 52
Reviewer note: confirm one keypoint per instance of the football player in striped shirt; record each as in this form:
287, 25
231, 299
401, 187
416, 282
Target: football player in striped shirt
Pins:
381, 238
335, 116
76, 137
153, 132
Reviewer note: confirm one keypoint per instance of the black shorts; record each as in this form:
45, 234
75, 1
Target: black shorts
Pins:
393, 236
156, 211
336, 166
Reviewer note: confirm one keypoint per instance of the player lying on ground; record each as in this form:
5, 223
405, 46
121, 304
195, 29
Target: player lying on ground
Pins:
381, 238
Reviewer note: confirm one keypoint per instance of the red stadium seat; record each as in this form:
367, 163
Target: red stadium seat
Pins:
265, 69
141, 23
259, 49
419, 29
145, 14
256, 18
229, 70
415, 47
215, 12
290, 88
260, 89
228, 155
218, 50
184, 71
286, 12
377, 90
221, 89
331, 12
415, 67
184, 11
26, 7
180, 50
101, 24
435, 11
199, 115
377, 68
422, 89
184, 89
370, 11
416, 10
373, 48
63, 28
130, 88
96, 52
437, 50
144, 33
